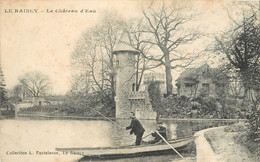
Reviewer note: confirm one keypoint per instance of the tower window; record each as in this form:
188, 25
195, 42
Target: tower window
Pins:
133, 87
117, 63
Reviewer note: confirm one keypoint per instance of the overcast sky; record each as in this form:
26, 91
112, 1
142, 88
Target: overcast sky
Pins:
44, 41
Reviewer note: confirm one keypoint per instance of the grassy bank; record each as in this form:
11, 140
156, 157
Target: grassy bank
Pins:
64, 110
232, 143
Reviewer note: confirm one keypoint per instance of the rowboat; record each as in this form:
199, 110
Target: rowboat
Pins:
128, 151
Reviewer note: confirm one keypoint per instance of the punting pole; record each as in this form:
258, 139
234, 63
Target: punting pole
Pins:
107, 118
146, 136
169, 144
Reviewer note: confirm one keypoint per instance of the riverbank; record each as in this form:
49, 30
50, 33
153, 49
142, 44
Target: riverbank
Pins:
231, 144
55, 116
60, 117
203, 119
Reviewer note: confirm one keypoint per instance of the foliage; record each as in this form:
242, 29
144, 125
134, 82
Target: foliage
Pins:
15, 99
253, 123
241, 46
83, 106
206, 107
155, 96
2, 88
18, 91
177, 107
245, 140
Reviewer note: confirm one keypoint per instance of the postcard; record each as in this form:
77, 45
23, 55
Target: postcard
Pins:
129, 80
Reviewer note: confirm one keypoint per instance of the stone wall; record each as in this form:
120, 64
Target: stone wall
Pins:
124, 81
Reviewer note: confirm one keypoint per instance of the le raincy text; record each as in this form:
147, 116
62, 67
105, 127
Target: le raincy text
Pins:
61, 10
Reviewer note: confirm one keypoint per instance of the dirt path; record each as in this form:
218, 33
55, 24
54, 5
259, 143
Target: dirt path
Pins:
203, 148
225, 148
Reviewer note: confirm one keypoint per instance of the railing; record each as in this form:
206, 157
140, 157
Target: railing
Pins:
138, 95
154, 77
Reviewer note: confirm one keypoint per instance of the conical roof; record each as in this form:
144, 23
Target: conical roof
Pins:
123, 44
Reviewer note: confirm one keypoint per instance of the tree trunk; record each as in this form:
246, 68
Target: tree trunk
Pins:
112, 87
168, 74
102, 84
137, 74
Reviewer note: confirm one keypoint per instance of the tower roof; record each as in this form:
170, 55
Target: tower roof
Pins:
123, 44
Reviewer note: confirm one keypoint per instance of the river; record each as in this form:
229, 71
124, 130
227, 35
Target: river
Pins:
26, 140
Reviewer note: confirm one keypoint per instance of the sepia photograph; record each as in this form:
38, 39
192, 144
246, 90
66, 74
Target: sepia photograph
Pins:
129, 80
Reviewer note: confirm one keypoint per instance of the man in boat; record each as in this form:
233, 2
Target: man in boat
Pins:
136, 128
162, 130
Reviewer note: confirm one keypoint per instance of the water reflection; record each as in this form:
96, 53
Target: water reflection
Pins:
46, 135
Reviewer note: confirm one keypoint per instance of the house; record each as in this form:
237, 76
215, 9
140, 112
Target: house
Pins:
36, 101
44, 100
203, 81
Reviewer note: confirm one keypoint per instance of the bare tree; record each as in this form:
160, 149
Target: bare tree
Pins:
93, 58
134, 28
106, 34
166, 30
17, 91
36, 83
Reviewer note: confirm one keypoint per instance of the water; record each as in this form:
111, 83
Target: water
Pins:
39, 136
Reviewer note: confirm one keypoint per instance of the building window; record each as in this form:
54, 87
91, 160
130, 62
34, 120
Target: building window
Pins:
188, 85
133, 87
205, 87
117, 63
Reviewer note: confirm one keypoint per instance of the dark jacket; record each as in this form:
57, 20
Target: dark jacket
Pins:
162, 131
136, 127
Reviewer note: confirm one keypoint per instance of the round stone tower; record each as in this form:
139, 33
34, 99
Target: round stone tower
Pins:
125, 74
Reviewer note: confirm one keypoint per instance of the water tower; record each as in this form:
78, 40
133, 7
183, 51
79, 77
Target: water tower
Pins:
125, 74
127, 98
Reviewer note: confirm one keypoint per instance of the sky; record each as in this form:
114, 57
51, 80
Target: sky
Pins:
45, 41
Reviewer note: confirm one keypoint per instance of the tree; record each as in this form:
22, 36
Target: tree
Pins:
166, 30
241, 46
2, 87
155, 96
106, 34
18, 91
93, 58
236, 85
93, 62
35, 83
133, 27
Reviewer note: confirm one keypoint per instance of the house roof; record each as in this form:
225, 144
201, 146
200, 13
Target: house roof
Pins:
123, 44
194, 73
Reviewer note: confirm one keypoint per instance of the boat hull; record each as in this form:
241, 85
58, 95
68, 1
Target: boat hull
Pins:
128, 151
